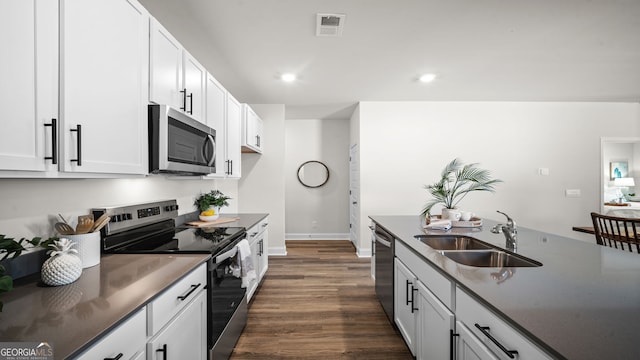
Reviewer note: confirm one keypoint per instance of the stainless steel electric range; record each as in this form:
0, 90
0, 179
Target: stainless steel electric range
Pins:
150, 228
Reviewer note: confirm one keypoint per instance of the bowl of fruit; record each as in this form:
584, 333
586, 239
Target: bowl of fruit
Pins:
209, 215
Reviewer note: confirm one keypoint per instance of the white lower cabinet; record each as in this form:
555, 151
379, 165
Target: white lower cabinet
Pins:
184, 337
434, 327
404, 308
470, 347
127, 341
258, 237
497, 335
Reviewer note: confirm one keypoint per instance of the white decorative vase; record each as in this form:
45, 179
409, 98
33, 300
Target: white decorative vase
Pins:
64, 266
450, 214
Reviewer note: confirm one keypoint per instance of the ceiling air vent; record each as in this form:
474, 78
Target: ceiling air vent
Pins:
329, 24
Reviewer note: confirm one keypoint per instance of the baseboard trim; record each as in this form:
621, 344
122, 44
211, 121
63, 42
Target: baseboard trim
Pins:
364, 253
277, 251
317, 236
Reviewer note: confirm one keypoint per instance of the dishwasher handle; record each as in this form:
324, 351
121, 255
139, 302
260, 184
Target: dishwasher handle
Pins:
380, 239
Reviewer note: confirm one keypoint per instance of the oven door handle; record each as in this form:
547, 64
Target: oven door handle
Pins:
381, 240
229, 254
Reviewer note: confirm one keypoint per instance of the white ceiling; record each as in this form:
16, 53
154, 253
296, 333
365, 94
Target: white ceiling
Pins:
481, 50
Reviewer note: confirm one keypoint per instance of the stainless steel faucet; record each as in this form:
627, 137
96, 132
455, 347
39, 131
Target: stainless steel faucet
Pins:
510, 232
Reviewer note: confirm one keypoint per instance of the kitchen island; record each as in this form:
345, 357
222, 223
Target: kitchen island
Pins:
582, 303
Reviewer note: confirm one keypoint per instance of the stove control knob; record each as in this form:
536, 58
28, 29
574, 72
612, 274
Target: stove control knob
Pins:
127, 216
116, 218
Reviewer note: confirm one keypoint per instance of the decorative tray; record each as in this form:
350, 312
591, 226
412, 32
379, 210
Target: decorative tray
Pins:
471, 223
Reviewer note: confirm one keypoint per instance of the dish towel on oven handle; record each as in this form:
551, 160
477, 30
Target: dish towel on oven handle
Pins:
243, 258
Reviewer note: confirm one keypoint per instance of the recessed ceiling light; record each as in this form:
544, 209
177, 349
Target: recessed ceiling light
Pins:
288, 77
427, 78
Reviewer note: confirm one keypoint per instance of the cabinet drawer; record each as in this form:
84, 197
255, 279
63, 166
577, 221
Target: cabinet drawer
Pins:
439, 285
254, 232
471, 312
127, 340
175, 298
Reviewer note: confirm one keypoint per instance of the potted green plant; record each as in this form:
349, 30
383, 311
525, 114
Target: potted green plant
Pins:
214, 198
10, 249
458, 180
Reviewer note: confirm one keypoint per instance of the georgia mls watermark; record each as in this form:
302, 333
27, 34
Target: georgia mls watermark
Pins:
26, 351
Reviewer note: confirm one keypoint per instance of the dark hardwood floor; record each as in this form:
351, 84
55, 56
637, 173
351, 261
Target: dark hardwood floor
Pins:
318, 302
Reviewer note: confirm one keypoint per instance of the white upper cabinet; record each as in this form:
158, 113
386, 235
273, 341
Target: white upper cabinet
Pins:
233, 164
216, 111
195, 78
176, 78
29, 85
165, 67
104, 86
251, 130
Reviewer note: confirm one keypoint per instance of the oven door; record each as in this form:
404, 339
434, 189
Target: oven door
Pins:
228, 305
178, 143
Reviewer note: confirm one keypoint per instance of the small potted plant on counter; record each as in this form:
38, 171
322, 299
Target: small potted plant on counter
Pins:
209, 204
457, 180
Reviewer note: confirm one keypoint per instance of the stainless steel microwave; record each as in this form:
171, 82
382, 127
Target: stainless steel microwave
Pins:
179, 144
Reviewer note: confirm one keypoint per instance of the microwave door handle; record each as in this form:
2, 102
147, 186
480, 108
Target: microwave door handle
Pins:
205, 154
229, 254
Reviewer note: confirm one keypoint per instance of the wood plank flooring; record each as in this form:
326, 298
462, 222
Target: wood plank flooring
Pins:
318, 302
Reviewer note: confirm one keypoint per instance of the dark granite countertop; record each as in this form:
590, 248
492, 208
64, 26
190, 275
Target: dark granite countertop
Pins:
72, 317
583, 303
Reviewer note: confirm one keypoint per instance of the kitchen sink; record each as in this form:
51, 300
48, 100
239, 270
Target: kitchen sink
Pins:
452, 242
490, 258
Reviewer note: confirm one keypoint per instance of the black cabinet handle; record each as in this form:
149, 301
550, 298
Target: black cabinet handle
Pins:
407, 291
261, 248
184, 100
413, 299
78, 130
485, 330
163, 351
193, 288
115, 358
258, 140
190, 96
452, 347
54, 141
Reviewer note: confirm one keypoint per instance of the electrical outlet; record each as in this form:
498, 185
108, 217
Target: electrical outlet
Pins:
572, 193
543, 171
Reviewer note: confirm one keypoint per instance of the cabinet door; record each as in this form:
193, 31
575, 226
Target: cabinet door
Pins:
184, 337
404, 306
216, 118
435, 323
264, 254
255, 248
165, 67
29, 85
469, 347
233, 167
104, 86
194, 77
127, 341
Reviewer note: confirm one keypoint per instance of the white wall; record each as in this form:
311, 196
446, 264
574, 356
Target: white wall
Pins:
29, 207
405, 145
318, 213
262, 182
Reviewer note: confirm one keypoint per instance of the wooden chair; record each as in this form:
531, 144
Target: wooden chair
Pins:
617, 232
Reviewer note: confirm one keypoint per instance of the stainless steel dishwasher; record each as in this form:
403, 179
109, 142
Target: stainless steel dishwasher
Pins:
384, 251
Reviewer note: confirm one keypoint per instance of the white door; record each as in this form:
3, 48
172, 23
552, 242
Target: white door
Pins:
104, 82
165, 67
435, 323
354, 193
28, 83
195, 76
216, 118
185, 335
233, 167
404, 303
